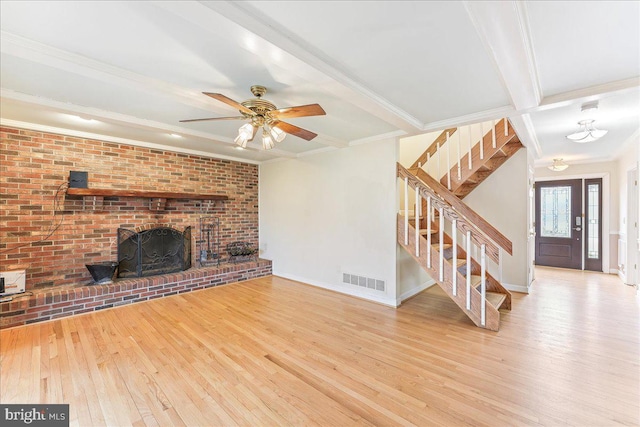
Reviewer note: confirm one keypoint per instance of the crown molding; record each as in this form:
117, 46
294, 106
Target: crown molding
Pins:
376, 138
117, 140
469, 119
591, 93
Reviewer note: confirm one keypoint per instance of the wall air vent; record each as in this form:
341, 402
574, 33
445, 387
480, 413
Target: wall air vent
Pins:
363, 282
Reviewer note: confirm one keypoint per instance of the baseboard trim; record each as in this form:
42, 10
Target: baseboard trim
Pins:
516, 288
622, 276
380, 299
411, 292
614, 271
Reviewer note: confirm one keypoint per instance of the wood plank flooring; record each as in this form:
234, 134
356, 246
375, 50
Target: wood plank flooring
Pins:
272, 352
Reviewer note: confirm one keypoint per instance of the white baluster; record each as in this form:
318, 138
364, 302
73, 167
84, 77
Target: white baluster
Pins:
441, 239
470, 148
429, 219
481, 141
438, 176
454, 230
406, 210
506, 127
426, 164
459, 157
483, 286
448, 163
468, 270
418, 213
493, 134
500, 264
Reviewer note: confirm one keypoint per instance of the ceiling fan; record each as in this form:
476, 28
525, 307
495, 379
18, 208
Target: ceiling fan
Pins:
264, 114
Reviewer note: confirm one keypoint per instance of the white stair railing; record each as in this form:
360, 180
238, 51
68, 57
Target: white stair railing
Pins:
472, 238
437, 160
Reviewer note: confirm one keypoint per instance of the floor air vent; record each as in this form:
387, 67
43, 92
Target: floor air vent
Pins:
365, 282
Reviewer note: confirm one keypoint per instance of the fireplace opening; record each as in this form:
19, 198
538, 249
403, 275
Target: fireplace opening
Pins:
160, 250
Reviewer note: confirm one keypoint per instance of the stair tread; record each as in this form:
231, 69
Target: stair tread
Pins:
444, 246
495, 298
424, 232
460, 262
476, 281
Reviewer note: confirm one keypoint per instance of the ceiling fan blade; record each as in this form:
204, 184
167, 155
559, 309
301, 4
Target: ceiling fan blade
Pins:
295, 130
231, 102
214, 118
299, 111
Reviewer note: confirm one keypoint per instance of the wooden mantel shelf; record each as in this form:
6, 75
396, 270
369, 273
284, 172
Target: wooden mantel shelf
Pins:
157, 198
103, 192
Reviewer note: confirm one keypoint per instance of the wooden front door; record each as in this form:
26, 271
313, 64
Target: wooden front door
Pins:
559, 223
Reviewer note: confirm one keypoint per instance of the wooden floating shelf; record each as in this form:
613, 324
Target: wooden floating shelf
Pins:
94, 197
102, 192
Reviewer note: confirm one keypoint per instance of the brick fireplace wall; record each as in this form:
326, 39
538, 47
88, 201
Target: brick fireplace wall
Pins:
33, 165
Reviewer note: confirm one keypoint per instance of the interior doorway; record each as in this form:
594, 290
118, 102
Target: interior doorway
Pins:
569, 224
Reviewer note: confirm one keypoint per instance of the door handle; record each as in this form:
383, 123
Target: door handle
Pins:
578, 229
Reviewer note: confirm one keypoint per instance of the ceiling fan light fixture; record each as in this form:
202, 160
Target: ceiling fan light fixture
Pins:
245, 133
267, 141
587, 132
276, 133
558, 165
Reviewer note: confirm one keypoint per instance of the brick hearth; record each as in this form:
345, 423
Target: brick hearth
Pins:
62, 301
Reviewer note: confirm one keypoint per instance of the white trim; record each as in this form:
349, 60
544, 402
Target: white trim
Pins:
526, 131
316, 151
414, 291
615, 271
515, 288
117, 140
622, 276
376, 138
346, 289
577, 97
481, 116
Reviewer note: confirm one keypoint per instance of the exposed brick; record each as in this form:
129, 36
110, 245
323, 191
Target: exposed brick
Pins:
38, 163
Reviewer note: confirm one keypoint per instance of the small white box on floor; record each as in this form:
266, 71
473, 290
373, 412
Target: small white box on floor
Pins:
14, 282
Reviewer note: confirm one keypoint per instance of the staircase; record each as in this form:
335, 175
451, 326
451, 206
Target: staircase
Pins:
451, 242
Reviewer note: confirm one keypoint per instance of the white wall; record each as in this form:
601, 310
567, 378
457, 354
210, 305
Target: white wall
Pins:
502, 199
628, 160
611, 201
332, 213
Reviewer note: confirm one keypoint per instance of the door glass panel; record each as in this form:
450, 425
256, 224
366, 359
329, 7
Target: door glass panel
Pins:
593, 209
555, 211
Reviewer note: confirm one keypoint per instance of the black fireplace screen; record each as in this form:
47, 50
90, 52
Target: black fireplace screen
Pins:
151, 252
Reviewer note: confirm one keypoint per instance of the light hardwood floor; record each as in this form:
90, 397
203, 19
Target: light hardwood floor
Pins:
272, 352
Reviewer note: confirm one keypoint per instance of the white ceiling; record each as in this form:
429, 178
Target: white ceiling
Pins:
378, 68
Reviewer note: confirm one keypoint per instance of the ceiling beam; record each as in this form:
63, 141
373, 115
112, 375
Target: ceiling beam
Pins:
81, 65
504, 30
332, 77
